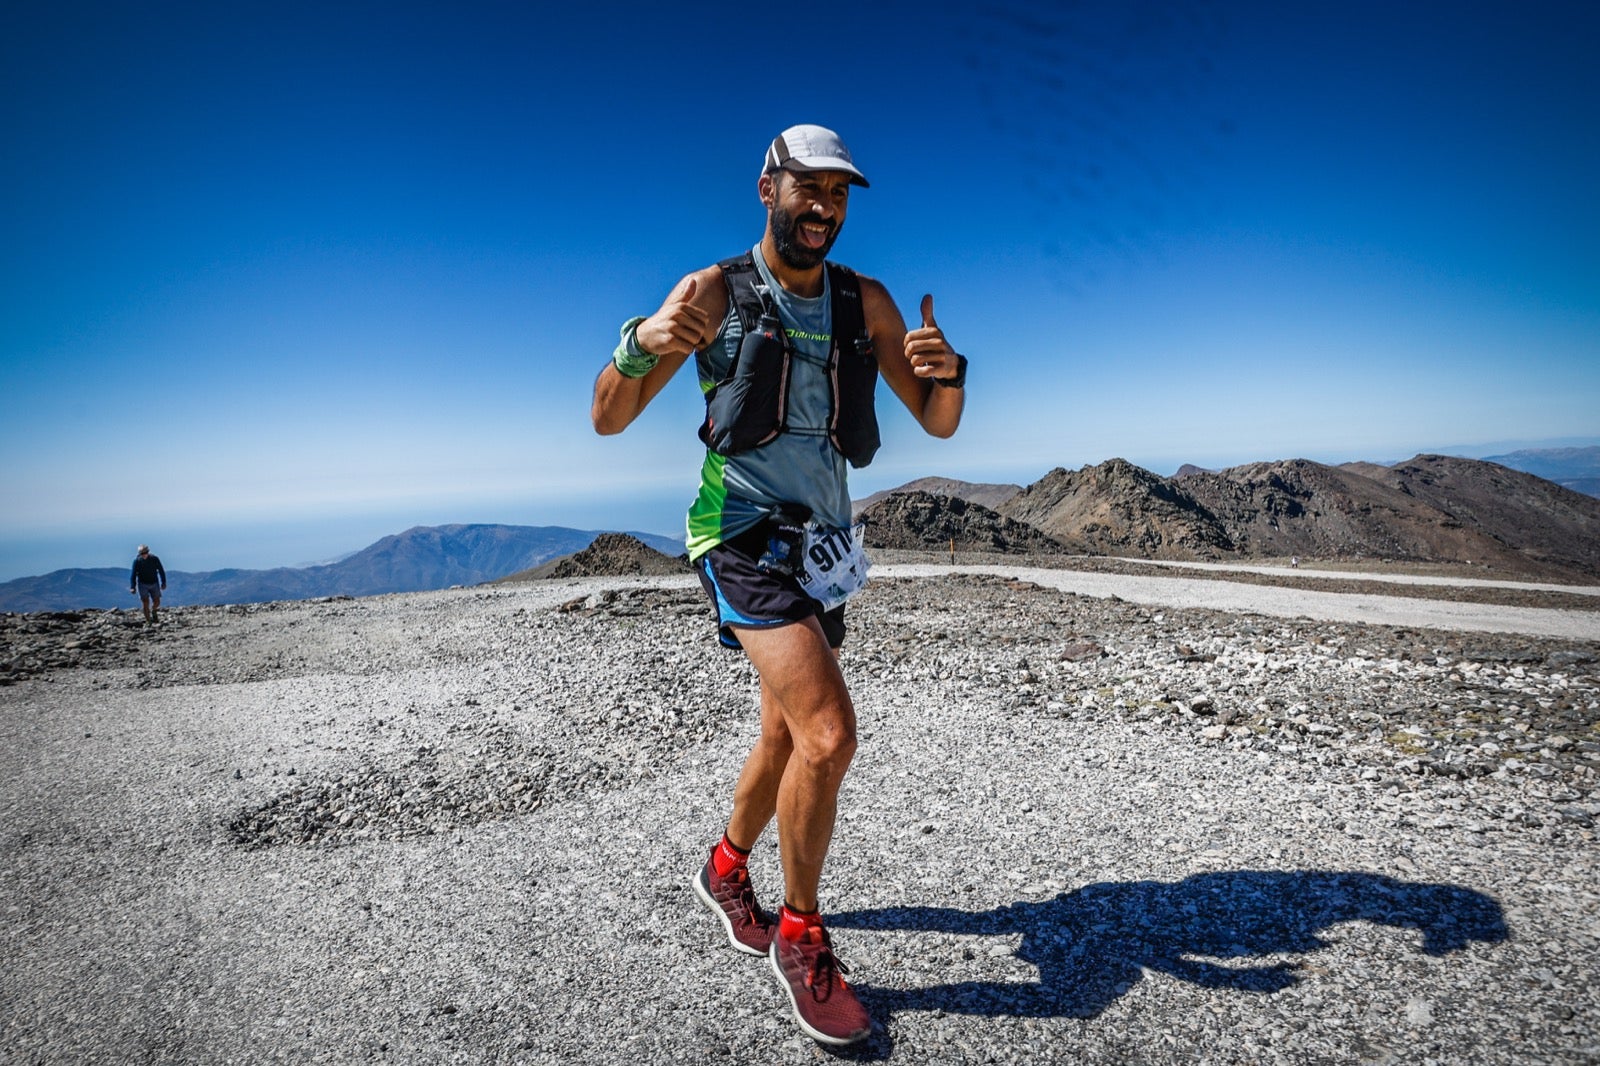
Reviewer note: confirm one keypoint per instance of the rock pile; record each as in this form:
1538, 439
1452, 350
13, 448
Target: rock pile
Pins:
430, 790
914, 521
39, 642
587, 712
612, 555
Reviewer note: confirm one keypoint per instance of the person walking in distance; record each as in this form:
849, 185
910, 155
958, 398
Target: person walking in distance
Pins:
788, 347
149, 580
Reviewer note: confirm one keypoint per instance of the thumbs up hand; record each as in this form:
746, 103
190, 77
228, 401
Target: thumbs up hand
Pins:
679, 327
930, 354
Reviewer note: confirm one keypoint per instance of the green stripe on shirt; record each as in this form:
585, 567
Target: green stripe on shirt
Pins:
705, 514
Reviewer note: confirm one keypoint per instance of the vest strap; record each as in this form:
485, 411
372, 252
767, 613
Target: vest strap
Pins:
749, 407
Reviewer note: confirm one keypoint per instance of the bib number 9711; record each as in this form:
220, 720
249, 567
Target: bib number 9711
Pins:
829, 550
836, 564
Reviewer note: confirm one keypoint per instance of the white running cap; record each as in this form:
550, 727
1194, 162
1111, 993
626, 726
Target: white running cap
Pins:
811, 148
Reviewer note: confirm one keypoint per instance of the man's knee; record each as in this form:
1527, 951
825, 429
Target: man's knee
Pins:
829, 741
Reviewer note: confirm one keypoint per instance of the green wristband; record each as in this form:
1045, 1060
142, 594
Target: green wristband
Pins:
630, 360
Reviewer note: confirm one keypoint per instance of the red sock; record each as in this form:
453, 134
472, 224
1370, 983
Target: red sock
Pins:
727, 857
792, 924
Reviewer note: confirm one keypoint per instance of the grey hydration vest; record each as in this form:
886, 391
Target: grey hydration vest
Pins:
750, 407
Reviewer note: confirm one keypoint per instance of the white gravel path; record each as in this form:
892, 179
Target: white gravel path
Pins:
1356, 575
1301, 603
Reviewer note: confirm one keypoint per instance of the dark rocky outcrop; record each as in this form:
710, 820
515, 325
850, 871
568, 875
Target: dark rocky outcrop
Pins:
611, 555
923, 521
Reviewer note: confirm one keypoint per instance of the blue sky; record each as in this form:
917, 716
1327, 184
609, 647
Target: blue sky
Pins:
280, 279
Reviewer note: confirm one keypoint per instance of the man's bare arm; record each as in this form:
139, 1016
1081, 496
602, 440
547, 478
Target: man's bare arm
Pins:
683, 323
910, 360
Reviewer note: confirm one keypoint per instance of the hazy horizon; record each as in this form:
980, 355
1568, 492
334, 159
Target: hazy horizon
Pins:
324, 537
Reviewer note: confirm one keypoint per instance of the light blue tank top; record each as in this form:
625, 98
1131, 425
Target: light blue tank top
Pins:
801, 465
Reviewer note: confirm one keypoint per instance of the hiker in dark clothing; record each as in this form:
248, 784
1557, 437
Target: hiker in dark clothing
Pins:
148, 579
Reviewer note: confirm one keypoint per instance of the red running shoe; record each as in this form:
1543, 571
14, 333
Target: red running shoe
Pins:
733, 901
824, 1005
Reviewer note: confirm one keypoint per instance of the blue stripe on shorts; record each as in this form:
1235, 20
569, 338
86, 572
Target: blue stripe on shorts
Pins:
727, 615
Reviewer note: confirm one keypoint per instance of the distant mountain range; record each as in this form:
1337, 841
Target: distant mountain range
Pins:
1575, 468
424, 557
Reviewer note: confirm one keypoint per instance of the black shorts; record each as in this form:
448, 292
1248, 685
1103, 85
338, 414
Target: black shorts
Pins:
746, 596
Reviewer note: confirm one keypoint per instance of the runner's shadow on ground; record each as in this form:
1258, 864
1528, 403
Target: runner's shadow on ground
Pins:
1091, 945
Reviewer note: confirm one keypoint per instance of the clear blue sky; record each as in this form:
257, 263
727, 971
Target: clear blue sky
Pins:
282, 278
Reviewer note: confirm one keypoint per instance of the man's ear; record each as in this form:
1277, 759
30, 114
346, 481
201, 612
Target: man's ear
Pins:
767, 189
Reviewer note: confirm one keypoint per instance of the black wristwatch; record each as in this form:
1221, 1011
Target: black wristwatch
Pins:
960, 380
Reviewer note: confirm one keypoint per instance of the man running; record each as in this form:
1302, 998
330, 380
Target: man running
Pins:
148, 579
788, 348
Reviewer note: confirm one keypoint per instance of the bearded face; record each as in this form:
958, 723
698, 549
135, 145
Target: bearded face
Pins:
802, 242
802, 236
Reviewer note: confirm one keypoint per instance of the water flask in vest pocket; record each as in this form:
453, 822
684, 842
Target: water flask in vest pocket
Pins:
854, 428
746, 410
786, 535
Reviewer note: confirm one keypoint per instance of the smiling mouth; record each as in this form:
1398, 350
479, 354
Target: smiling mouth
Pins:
813, 233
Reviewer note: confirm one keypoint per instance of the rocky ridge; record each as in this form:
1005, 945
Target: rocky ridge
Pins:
1118, 508
985, 494
1432, 509
1303, 508
1546, 522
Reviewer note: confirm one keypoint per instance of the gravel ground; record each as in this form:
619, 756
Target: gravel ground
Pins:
1103, 824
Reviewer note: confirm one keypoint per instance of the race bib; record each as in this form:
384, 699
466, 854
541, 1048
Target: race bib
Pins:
836, 564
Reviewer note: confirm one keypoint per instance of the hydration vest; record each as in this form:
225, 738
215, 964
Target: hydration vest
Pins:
750, 407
